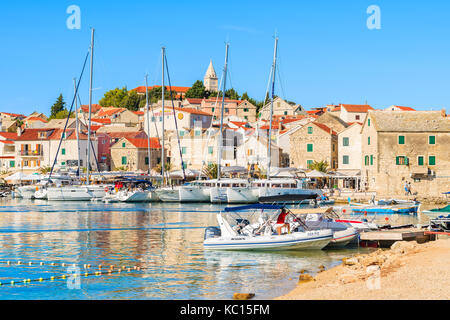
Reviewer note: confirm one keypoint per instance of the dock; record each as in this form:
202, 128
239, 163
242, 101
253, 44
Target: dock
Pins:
385, 238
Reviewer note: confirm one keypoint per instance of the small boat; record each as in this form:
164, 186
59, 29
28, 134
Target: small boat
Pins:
442, 222
324, 218
197, 191
240, 234
389, 209
437, 211
289, 198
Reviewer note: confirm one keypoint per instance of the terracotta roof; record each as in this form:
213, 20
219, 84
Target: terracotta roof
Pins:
36, 119
14, 114
54, 134
7, 157
139, 113
32, 134
126, 134
405, 108
356, 107
107, 112
104, 121
325, 128
194, 100
9, 135
143, 142
193, 111
141, 89
7, 141
351, 123
94, 108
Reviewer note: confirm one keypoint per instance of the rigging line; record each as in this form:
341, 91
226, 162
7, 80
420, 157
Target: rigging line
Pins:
68, 116
92, 146
279, 72
175, 119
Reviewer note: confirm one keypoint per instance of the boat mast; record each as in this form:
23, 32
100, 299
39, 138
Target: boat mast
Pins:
90, 108
76, 124
163, 116
219, 153
269, 140
148, 125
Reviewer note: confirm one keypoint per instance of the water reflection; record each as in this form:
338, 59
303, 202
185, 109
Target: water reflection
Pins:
165, 240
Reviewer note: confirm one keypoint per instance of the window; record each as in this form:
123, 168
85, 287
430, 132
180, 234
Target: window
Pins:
368, 141
124, 144
432, 140
309, 147
184, 165
63, 163
366, 160
368, 122
12, 164
213, 109
146, 161
197, 133
401, 160
245, 110
401, 139
432, 160
183, 150
246, 117
420, 160
181, 133
227, 110
124, 160
210, 150
371, 160
285, 113
63, 151
357, 117
345, 141
309, 162
310, 130
345, 160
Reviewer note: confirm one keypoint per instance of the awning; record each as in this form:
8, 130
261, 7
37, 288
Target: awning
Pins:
316, 174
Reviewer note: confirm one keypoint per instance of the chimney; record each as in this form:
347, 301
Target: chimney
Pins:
443, 113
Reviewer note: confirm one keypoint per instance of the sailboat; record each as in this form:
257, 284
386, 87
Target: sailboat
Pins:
81, 192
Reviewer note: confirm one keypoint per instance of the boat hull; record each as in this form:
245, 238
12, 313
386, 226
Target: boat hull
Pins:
241, 195
311, 240
25, 192
343, 238
75, 193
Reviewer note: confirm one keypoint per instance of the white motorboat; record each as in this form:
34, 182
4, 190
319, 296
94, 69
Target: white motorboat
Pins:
26, 192
136, 196
281, 186
40, 194
77, 193
261, 236
197, 191
231, 191
324, 218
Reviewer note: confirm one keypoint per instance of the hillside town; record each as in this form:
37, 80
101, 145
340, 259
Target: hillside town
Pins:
363, 148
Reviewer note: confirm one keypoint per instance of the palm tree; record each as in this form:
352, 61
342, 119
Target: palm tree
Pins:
321, 166
45, 170
210, 171
167, 167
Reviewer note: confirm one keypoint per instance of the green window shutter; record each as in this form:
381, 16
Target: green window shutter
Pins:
345, 141
401, 139
368, 141
309, 147
124, 144
420, 161
368, 122
181, 133
432, 160
183, 150
308, 163
146, 160
397, 160
12, 164
345, 160
63, 163
310, 130
366, 160
371, 160
406, 160
432, 140
63, 151
124, 160
210, 150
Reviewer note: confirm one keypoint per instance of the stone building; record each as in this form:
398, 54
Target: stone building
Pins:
349, 148
314, 142
281, 108
131, 154
210, 81
400, 146
332, 121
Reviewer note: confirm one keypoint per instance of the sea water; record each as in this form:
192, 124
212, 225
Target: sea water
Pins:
164, 240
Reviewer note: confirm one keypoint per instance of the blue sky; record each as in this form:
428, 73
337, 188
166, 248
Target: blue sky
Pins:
326, 52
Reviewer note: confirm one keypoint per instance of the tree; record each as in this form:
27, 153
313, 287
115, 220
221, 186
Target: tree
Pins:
58, 106
210, 171
115, 98
232, 94
62, 114
197, 90
321, 166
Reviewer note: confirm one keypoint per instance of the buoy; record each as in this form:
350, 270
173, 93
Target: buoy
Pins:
387, 219
63, 276
52, 278
12, 283
41, 263
129, 269
112, 267
24, 280
40, 279
30, 263
86, 274
8, 262
63, 264
29, 280
18, 262
118, 271
99, 266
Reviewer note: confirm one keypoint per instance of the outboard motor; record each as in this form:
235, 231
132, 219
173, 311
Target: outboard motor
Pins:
212, 232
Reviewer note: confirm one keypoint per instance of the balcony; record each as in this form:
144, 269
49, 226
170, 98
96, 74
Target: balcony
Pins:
30, 153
